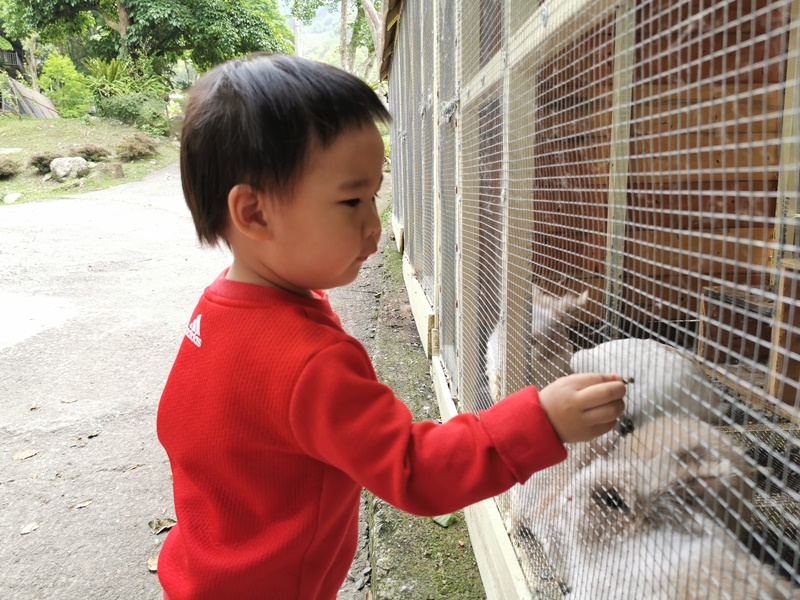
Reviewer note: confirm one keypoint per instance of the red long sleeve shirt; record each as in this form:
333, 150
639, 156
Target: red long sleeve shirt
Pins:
273, 420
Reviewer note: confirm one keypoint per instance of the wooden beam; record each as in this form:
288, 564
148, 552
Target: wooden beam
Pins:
422, 311
624, 57
789, 180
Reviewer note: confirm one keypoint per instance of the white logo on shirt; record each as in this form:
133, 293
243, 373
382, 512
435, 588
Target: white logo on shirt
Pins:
193, 331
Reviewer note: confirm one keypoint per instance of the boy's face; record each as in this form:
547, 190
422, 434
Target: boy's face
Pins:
330, 226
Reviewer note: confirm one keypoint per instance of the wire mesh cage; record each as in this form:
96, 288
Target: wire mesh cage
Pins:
616, 189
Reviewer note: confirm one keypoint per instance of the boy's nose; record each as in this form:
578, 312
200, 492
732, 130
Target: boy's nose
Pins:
372, 227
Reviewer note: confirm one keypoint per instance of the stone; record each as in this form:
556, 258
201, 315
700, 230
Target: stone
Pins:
12, 197
111, 170
70, 167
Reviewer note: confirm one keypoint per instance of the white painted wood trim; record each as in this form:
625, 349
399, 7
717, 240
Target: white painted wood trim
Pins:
420, 308
498, 564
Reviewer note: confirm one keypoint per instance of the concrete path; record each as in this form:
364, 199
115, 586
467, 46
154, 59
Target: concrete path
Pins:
94, 294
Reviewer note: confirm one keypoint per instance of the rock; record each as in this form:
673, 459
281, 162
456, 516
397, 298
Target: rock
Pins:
69, 167
111, 170
12, 197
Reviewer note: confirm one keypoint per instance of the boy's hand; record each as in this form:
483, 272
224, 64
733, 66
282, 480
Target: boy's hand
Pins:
583, 406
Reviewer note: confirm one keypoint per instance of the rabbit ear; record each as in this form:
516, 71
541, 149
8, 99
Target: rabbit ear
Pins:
568, 305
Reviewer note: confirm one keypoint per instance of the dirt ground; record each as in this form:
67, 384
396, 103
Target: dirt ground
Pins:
95, 291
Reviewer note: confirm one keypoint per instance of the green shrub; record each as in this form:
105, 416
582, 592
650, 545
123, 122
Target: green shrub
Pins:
140, 110
67, 88
41, 161
8, 168
137, 147
91, 152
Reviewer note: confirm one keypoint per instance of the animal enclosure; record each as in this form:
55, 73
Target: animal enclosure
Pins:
587, 185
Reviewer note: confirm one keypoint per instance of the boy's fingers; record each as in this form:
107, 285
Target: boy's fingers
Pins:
606, 413
602, 393
584, 380
603, 428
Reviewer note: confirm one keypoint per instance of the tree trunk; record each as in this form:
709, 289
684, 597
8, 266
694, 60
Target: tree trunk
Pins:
353, 47
29, 57
343, 35
297, 50
124, 19
375, 26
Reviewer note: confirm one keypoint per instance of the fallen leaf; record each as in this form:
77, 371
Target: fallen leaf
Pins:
152, 564
29, 528
445, 520
159, 525
94, 434
82, 504
25, 454
69, 401
35, 407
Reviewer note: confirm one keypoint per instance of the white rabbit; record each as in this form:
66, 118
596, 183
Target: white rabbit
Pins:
640, 522
664, 381
493, 360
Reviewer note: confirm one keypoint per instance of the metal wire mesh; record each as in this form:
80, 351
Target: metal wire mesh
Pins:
447, 188
617, 189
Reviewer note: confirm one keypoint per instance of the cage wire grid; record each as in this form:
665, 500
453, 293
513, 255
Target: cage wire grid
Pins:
601, 186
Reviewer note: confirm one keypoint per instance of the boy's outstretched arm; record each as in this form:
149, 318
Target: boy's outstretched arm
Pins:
342, 416
583, 406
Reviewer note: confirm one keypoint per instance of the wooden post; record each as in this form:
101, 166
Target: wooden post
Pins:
624, 57
788, 206
784, 371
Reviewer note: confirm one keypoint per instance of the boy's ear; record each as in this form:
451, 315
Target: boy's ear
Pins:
247, 209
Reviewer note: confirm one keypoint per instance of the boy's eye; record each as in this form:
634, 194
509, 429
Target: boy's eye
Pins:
352, 202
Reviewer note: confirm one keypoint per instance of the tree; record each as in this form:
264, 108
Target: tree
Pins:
211, 31
364, 30
65, 86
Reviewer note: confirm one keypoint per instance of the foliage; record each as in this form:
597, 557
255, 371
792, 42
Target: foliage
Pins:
110, 78
91, 152
140, 110
67, 88
8, 168
41, 161
5, 44
118, 78
137, 147
360, 30
185, 75
211, 31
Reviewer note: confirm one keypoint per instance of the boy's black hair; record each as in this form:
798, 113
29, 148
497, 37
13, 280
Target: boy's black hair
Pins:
254, 120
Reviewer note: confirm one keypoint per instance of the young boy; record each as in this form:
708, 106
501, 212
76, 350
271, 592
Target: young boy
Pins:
272, 416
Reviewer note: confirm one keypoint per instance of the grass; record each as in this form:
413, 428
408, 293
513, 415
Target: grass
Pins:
413, 557
20, 138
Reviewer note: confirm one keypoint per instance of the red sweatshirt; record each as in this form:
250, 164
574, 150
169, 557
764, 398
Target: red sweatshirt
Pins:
273, 420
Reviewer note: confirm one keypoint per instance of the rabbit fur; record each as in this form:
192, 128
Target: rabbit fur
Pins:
663, 381
549, 342
637, 523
